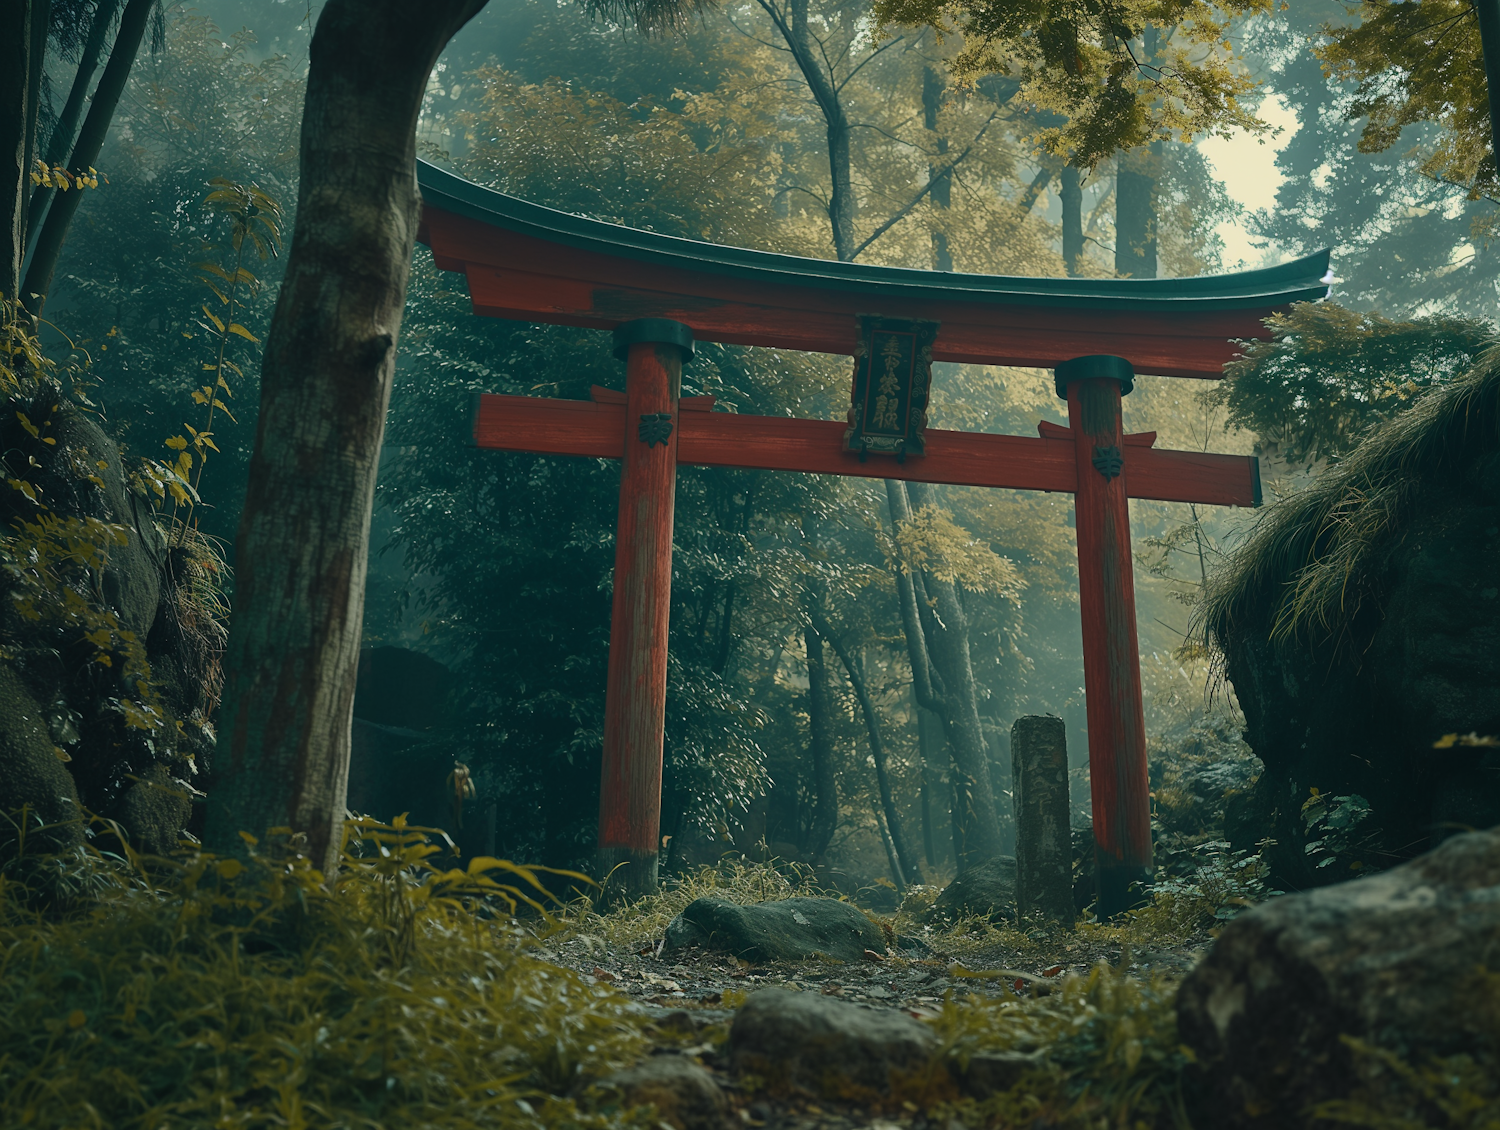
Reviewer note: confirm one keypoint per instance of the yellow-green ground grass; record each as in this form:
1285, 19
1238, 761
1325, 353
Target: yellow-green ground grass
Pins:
223, 993
204, 992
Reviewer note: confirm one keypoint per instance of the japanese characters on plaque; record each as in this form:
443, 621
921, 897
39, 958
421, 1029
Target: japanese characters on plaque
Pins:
892, 377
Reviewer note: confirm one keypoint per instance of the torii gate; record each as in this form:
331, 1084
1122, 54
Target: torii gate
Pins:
660, 294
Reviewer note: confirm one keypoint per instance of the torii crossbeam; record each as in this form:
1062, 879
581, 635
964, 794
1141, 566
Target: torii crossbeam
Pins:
660, 294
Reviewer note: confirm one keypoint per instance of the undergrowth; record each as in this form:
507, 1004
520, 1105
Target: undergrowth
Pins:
1102, 1050
645, 920
203, 991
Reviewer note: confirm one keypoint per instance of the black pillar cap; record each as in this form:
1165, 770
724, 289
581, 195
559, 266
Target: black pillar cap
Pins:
663, 330
1094, 366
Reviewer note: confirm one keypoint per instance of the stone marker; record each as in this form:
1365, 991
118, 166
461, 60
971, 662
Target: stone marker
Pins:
686, 1097
786, 930
1393, 960
1039, 785
829, 1047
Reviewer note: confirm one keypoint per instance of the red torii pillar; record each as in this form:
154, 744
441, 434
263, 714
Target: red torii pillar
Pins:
653, 350
631, 777
1119, 787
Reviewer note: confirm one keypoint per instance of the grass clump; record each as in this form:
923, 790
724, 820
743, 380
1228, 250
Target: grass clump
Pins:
202, 991
1101, 1050
733, 879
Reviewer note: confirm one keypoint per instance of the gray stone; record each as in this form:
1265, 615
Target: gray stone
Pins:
685, 1095
814, 1043
787, 930
1388, 959
1039, 776
988, 888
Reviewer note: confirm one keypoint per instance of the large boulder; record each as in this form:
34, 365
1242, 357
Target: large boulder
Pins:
987, 889
1388, 959
787, 930
834, 1049
1360, 624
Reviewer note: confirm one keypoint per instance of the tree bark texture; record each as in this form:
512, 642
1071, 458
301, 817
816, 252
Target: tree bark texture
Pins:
910, 866
304, 535
17, 121
825, 813
60, 145
49, 243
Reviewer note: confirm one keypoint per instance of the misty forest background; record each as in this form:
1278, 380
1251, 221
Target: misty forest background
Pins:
498, 566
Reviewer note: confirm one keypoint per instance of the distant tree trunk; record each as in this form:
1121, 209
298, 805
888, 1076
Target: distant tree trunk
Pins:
1071, 192
49, 243
944, 628
303, 539
1135, 211
1136, 175
825, 813
933, 785
60, 146
910, 866
17, 127
941, 176
841, 200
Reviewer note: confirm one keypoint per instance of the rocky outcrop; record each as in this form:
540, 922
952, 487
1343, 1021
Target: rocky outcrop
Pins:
1360, 624
813, 1043
787, 930
1387, 960
95, 596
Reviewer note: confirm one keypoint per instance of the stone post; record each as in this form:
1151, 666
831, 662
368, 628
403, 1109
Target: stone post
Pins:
1039, 786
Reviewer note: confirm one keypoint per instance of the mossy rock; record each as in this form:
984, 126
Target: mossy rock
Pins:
785, 930
33, 777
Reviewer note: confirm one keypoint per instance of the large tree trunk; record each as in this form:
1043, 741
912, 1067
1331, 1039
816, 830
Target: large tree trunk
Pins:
60, 146
304, 535
49, 243
825, 813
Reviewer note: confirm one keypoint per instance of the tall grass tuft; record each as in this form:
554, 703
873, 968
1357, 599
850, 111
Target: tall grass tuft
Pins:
214, 992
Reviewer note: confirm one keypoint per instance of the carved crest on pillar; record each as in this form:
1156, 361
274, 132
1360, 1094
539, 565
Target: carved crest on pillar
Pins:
1108, 461
892, 380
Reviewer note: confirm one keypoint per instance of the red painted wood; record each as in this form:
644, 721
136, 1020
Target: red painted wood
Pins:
776, 443
635, 703
521, 277
1111, 652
